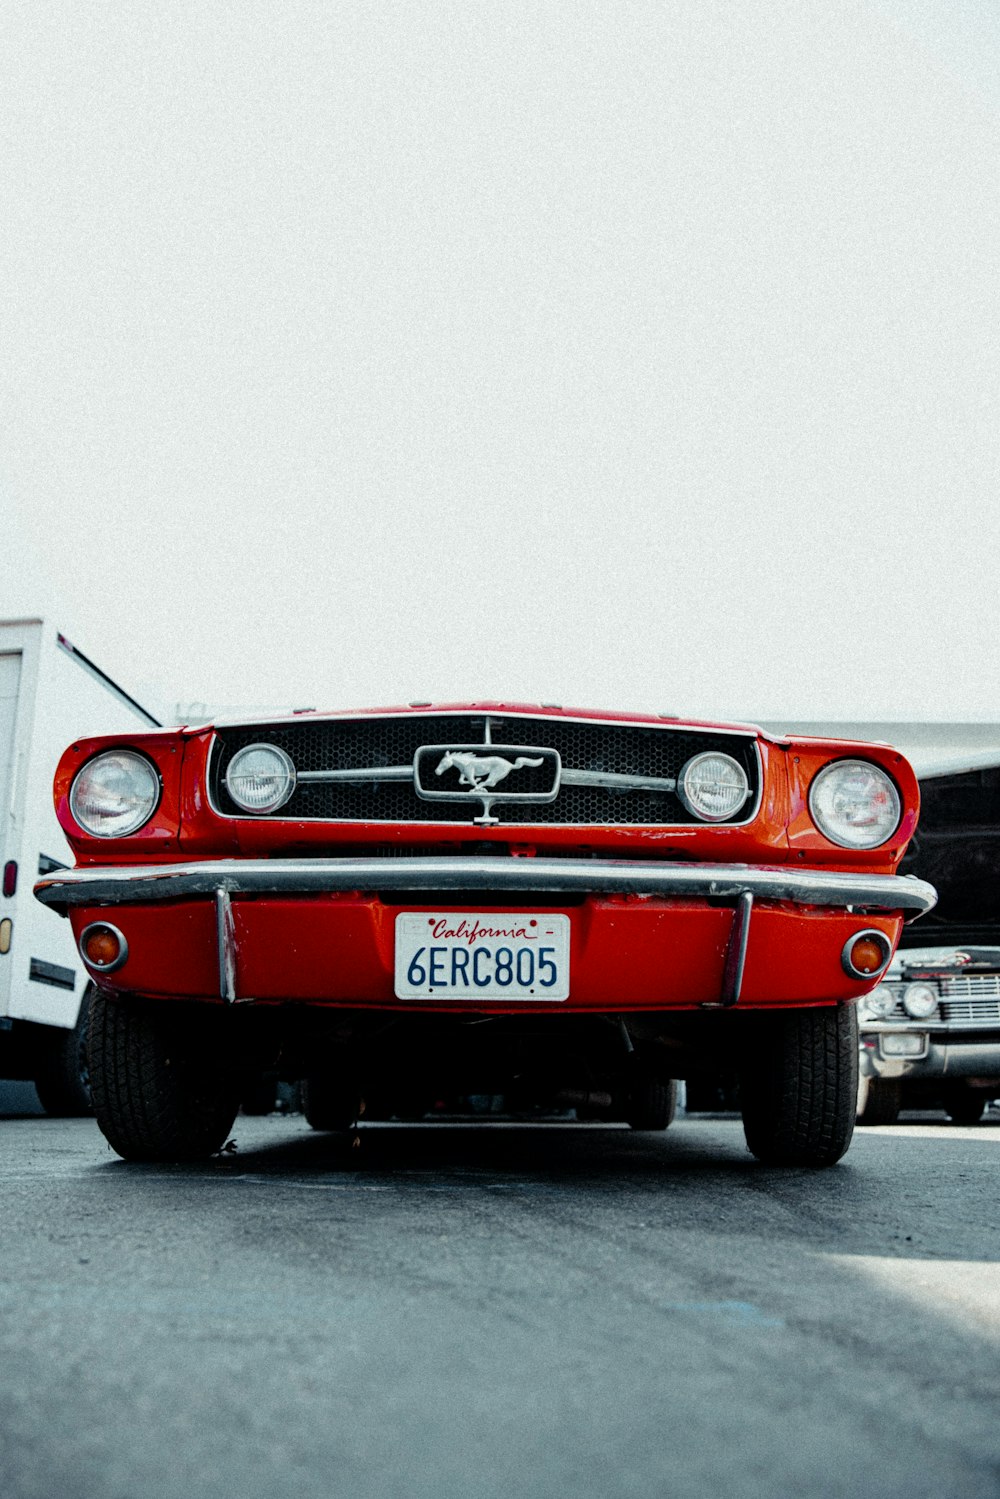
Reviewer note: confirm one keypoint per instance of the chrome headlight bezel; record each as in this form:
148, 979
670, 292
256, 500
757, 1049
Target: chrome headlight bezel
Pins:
283, 776
687, 794
880, 1003
921, 999
146, 790
821, 784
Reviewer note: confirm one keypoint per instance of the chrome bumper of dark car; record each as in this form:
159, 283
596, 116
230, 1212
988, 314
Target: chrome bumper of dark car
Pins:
951, 1056
496, 877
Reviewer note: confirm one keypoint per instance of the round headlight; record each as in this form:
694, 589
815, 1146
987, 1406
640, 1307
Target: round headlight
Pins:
878, 1004
713, 786
920, 1000
115, 794
854, 804
260, 778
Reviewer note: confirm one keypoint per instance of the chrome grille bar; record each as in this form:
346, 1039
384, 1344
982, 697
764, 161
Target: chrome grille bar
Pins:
610, 780
972, 986
971, 1012
359, 774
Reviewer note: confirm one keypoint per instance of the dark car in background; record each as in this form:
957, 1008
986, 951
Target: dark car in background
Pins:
930, 1036
930, 1031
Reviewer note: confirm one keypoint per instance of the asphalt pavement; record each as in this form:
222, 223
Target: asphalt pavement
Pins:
470, 1312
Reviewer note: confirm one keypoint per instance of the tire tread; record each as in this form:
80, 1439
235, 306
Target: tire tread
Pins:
800, 1090
151, 1103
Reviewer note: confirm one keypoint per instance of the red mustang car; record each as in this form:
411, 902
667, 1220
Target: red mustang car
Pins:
569, 907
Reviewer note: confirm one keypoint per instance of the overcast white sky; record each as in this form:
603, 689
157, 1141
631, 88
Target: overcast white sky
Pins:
621, 355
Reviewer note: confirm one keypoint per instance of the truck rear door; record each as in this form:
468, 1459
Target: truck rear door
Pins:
10, 676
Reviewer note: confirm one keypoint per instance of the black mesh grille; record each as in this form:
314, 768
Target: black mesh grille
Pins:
619, 748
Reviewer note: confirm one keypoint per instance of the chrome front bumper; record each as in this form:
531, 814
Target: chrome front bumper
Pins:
946, 1055
500, 877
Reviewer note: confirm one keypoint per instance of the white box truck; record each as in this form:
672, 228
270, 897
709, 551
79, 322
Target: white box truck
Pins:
50, 694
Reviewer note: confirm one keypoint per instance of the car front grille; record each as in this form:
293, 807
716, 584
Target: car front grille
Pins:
971, 1002
378, 743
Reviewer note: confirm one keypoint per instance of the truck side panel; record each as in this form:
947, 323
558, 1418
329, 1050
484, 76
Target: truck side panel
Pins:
60, 698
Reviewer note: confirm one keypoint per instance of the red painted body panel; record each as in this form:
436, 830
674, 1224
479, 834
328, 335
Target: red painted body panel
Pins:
626, 953
805, 759
159, 838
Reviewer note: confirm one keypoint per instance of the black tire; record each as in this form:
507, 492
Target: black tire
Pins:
62, 1081
651, 1104
799, 1087
964, 1106
158, 1089
882, 1102
328, 1103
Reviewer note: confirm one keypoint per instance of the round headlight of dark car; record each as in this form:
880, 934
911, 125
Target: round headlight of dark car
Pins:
114, 794
920, 1000
260, 778
854, 804
878, 1004
713, 786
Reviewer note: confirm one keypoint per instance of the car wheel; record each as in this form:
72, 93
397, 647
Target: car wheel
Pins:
883, 1101
964, 1106
62, 1081
799, 1087
158, 1089
328, 1103
651, 1104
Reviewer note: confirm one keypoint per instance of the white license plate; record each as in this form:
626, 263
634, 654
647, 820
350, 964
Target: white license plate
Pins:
471, 956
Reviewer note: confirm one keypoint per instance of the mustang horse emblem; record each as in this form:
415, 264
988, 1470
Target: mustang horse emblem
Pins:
482, 772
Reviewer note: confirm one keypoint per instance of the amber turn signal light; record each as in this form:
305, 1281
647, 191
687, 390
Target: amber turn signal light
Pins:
866, 954
102, 947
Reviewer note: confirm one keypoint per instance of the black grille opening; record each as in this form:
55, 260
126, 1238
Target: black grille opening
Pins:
612, 748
